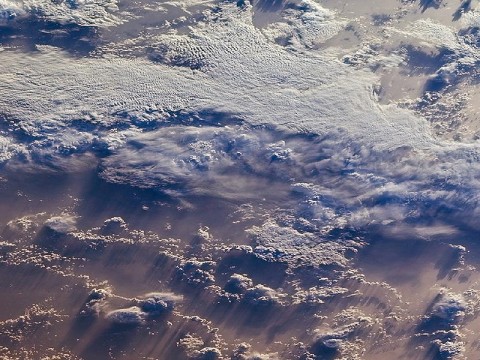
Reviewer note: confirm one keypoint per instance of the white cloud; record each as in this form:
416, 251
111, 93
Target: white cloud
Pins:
306, 24
247, 76
154, 304
286, 244
238, 284
80, 12
147, 307
449, 306
262, 295
62, 224
129, 316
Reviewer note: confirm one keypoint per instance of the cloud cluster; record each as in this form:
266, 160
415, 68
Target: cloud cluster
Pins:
449, 307
352, 324
79, 12
247, 76
364, 174
445, 319
196, 272
285, 244
305, 24
195, 348
148, 307
233, 111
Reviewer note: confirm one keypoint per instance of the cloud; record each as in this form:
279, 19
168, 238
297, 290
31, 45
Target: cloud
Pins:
147, 307
286, 244
129, 316
261, 295
238, 284
96, 302
195, 348
444, 320
10, 10
450, 349
196, 272
61, 224
247, 76
155, 304
305, 24
225, 161
80, 12
449, 307
365, 174
352, 324
208, 353
114, 226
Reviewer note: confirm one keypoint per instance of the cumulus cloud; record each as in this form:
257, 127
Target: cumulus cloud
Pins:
238, 284
442, 324
261, 295
62, 224
449, 349
318, 294
219, 160
15, 333
351, 323
305, 24
155, 304
195, 348
286, 244
196, 272
95, 302
449, 307
80, 12
129, 316
114, 226
148, 307
208, 353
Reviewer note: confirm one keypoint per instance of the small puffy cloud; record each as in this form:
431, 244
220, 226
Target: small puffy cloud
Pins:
129, 316
95, 302
191, 343
350, 324
208, 353
195, 348
17, 332
318, 294
262, 295
243, 352
25, 225
238, 284
197, 272
155, 304
449, 307
114, 226
62, 224
450, 349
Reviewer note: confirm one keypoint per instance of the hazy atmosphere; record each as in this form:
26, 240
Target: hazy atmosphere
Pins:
244, 180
